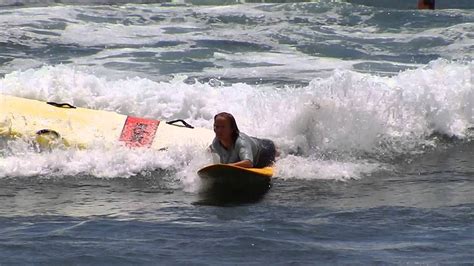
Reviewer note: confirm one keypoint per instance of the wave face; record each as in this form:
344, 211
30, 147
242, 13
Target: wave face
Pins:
344, 126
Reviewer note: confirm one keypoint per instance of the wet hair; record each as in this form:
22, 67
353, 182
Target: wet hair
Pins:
233, 124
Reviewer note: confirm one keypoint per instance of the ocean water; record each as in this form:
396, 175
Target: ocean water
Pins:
371, 107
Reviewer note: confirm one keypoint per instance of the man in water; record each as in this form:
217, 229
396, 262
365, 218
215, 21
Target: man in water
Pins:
426, 4
238, 149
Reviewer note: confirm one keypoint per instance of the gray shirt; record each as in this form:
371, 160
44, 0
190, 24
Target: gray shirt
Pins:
245, 148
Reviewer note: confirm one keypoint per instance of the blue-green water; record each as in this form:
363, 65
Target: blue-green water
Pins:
372, 109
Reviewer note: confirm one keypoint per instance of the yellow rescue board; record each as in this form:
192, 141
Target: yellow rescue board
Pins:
82, 127
225, 171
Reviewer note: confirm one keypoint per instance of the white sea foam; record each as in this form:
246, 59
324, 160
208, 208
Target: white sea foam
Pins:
272, 41
331, 129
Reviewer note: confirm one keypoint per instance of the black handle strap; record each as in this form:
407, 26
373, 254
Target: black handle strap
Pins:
179, 120
62, 105
48, 132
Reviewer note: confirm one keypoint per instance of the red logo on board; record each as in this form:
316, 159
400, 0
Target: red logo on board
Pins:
139, 132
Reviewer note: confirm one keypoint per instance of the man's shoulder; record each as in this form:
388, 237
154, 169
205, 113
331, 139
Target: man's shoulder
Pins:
243, 139
215, 144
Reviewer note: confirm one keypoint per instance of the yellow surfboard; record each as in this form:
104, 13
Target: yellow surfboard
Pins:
224, 183
82, 127
225, 172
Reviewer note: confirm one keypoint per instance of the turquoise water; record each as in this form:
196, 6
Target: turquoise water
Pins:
372, 109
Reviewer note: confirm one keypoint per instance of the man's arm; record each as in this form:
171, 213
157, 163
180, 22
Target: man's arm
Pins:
243, 163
